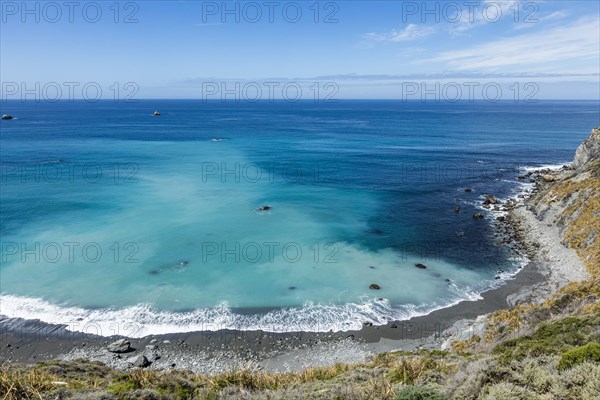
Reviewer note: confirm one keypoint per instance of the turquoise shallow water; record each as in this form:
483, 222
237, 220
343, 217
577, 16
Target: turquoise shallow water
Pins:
153, 221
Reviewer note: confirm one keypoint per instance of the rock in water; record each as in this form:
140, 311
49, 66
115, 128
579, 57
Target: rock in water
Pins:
7, 116
478, 216
421, 266
588, 151
490, 199
374, 286
120, 346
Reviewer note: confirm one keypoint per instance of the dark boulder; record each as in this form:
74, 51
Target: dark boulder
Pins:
490, 199
138, 361
120, 346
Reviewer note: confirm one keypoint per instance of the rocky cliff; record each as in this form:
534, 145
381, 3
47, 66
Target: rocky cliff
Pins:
574, 195
588, 151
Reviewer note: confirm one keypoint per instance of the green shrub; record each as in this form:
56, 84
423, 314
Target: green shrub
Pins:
419, 393
507, 391
553, 337
589, 352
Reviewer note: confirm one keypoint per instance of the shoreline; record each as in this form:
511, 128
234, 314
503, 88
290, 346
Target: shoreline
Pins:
550, 266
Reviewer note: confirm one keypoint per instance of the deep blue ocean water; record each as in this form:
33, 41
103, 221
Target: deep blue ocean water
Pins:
111, 217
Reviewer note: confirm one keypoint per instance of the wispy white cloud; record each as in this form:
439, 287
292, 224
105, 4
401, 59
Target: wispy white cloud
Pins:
522, 15
572, 48
490, 11
544, 18
410, 32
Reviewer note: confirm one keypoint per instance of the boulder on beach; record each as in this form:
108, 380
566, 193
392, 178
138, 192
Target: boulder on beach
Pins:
120, 346
138, 361
548, 178
374, 286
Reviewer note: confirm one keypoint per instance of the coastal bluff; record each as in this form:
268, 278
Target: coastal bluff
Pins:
588, 151
572, 198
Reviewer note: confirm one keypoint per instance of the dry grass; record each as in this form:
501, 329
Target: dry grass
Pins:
25, 383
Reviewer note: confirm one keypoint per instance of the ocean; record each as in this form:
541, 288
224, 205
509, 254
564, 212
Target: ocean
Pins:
272, 215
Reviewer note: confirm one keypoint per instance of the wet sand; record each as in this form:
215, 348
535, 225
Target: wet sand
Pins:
31, 341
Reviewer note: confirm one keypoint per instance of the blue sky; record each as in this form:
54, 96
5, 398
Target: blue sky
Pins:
375, 49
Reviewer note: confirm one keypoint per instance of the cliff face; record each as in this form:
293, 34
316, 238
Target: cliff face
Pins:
588, 151
575, 196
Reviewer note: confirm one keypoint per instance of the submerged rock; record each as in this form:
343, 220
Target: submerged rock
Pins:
120, 346
468, 190
421, 266
478, 216
374, 286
